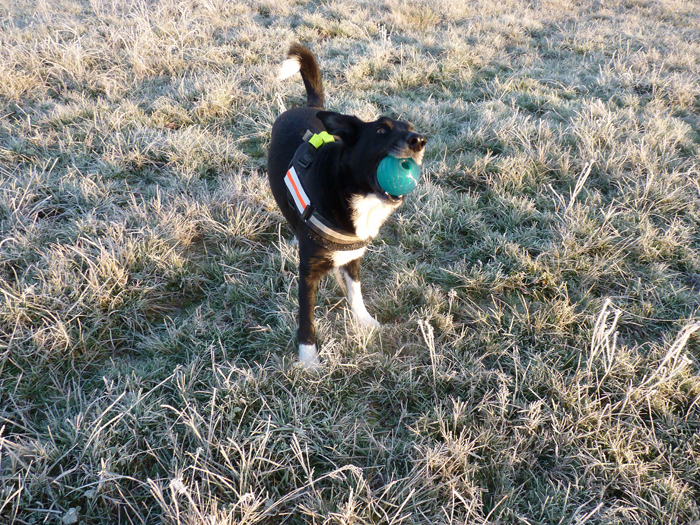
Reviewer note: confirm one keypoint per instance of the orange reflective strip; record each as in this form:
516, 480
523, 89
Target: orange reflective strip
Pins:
296, 190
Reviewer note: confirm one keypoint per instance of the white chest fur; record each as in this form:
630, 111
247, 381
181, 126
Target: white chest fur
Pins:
368, 214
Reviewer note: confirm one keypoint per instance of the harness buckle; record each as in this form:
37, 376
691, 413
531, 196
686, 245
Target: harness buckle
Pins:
307, 212
307, 158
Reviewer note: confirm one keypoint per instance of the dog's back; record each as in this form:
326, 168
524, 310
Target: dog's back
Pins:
289, 128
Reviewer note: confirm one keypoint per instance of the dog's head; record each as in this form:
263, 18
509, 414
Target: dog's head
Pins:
365, 144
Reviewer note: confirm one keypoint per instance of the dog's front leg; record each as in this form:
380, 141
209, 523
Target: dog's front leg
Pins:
350, 273
310, 273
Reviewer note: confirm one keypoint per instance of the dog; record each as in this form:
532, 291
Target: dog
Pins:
327, 190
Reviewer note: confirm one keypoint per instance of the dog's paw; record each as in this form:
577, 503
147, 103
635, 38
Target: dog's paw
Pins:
364, 319
308, 357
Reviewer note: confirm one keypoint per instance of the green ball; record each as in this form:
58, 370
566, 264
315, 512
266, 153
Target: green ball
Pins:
398, 177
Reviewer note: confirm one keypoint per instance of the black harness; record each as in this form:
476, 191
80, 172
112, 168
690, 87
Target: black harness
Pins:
319, 228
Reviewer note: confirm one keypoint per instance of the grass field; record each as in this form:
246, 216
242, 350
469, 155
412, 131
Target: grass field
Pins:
540, 291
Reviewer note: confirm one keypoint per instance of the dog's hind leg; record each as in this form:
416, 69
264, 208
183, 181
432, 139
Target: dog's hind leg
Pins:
350, 273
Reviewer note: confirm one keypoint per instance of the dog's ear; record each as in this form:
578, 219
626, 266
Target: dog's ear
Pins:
347, 127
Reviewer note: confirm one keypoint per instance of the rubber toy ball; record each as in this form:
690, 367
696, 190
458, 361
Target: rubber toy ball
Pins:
397, 176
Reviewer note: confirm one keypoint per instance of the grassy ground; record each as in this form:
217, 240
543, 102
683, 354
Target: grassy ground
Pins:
540, 292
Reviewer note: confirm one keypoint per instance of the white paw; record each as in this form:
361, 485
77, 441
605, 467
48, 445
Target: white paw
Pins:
364, 319
308, 357
357, 305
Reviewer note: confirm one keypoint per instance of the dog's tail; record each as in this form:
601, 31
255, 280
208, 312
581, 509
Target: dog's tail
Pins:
301, 60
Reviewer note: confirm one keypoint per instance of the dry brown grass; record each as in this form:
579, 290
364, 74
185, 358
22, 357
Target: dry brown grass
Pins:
538, 362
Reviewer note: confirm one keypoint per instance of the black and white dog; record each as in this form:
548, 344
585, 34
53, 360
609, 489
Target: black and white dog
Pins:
326, 187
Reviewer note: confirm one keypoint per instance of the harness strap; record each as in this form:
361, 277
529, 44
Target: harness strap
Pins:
301, 199
321, 230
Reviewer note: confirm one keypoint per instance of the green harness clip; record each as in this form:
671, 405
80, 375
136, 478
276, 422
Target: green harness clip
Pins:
319, 139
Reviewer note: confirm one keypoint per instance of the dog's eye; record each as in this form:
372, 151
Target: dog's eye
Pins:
381, 131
